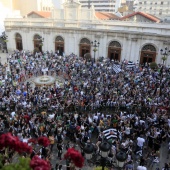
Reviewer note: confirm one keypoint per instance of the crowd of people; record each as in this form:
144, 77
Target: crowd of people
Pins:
92, 98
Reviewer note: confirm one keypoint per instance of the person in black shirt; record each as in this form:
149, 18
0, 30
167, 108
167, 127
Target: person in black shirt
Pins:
59, 147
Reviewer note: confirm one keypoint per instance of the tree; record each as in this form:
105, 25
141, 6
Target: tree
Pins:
153, 65
164, 58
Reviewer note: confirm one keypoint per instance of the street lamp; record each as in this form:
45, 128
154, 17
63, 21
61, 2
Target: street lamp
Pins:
4, 38
88, 150
121, 158
165, 54
102, 158
161, 77
104, 147
95, 44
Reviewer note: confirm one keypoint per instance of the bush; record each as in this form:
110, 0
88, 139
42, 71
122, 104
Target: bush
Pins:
153, 65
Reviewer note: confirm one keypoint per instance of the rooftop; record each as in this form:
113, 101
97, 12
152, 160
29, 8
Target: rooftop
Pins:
106, 16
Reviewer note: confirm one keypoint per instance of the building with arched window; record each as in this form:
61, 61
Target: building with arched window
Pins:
72, 29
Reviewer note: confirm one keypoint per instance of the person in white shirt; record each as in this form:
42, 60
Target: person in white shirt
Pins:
95, 117
140, 142
141, 168
13, 114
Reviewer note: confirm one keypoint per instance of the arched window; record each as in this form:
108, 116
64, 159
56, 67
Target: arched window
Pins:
59, 39
149, 48
85, 41
115, 44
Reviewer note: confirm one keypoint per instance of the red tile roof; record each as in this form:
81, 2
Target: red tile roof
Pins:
42, 14
148, 16
106, 16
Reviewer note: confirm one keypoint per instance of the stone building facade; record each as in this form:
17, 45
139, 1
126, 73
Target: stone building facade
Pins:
71, 30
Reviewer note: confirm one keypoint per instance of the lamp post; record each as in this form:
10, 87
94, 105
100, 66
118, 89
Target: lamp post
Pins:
120, 159
161, 77
95, 44
4, 38
102, 157
104, 147
165, 54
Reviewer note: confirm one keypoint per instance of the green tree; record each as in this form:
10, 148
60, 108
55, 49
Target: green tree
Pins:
153, 65
22, 164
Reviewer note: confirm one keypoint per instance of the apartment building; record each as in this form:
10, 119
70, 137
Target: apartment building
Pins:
102, 5
154, 7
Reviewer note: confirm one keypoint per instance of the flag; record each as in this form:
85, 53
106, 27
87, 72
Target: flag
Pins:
111, 133
130, 64
116, 68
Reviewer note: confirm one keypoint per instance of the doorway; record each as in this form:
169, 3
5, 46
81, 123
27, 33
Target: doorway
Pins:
148, 54
18, 40
114, 51
37, 43
84, 47
59, 45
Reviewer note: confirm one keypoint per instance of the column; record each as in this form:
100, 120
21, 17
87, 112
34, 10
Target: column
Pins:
134, 56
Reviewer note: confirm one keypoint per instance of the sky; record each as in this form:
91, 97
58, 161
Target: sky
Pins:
57, 3
4, 12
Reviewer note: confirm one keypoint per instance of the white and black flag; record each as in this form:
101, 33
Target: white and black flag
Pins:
117, 68
130, 64
111, 133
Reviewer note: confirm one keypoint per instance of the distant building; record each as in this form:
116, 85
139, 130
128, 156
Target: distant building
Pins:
130, 4
166, 19
123, 10
154, 7
137, 36
104, 5
25, 6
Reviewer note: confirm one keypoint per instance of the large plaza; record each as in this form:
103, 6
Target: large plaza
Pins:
89, 81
